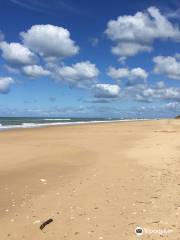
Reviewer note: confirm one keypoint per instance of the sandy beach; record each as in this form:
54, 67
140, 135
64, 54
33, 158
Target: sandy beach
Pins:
96, 181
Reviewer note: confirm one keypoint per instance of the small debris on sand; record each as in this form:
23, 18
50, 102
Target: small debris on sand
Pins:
43, 181
36, 222
46, 223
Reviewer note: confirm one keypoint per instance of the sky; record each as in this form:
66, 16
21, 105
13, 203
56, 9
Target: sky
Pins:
110, 58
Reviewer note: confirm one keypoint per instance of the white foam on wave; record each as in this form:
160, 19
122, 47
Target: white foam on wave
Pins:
4, 127
28, 124
57, 119
38, 125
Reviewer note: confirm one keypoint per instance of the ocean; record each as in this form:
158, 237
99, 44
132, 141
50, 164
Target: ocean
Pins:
33, 122
7, 123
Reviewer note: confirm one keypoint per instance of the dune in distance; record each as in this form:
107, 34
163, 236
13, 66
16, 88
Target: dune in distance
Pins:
93, 181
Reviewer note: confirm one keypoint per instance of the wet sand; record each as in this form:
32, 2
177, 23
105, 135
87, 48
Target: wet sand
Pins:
97, 181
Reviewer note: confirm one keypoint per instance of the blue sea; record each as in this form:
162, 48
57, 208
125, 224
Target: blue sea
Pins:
34, 122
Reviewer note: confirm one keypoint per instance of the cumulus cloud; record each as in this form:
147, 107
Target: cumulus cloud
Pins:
35, 71
134, 75
125, 49
5, 84
132, 34
118, 73
81, 74
169, 66
50, 42
160, 85
106, 90
173, 106
138, 73
171, 93
158, 91
17, 54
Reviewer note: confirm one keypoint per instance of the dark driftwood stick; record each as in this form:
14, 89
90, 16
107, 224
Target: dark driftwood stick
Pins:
46, 223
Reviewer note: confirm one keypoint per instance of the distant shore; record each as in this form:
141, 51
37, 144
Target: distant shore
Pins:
95, 181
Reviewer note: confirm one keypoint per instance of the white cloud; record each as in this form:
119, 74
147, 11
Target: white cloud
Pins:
81, 74
138, 73
160, 85
49, 41
158, 91
134, 75
106, 90
118, 73
5, 84
125, 49
35, 71
17, 54
173, 106
171, 93
135, 33
170, 66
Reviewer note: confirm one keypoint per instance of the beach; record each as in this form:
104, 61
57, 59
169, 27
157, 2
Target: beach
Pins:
95, 181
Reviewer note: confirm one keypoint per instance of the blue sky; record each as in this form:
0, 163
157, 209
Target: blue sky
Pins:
90, 58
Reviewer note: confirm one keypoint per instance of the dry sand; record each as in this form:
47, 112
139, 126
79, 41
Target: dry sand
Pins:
96, 181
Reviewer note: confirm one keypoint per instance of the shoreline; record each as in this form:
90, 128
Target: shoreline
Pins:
59, 124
